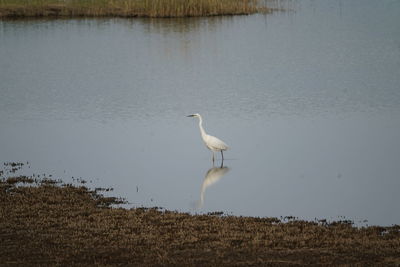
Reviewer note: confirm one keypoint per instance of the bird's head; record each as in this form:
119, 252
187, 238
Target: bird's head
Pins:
194, 115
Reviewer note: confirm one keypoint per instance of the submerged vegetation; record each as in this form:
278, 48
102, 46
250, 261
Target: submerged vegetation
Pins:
128, 8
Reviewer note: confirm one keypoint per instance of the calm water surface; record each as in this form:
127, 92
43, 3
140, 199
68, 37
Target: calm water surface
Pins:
308, 100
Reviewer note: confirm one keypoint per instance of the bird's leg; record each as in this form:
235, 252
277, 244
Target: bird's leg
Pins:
213, 156
222, 156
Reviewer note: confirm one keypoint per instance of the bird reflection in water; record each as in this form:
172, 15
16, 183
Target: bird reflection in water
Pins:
213, 175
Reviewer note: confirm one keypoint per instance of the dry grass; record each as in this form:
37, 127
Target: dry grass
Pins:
127, 8
49, 224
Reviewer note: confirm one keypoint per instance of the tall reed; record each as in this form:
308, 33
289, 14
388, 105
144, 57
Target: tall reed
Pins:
128, 8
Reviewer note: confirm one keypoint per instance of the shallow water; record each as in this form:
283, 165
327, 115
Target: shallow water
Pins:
308, 100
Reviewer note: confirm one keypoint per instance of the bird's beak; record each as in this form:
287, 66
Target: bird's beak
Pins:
190, 116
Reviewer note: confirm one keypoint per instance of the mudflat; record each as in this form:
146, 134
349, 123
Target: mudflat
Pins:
45, 222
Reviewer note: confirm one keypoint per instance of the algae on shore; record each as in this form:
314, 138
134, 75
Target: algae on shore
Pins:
49, 223
128, 8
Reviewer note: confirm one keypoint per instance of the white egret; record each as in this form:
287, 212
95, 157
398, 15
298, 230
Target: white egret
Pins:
211, 142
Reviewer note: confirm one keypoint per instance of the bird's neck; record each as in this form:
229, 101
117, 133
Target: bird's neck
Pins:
203, 133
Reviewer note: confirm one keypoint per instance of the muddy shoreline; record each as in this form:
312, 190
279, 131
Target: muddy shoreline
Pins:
45, 222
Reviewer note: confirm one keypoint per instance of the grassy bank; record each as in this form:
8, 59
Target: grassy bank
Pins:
127, 8
54, 224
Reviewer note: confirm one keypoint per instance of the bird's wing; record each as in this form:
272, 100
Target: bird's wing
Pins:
216, 143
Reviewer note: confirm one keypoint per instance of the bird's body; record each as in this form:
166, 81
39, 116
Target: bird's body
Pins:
214, 144
211, 142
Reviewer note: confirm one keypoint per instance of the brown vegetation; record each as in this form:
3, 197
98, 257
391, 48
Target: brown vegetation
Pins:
47, 223
127, 8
